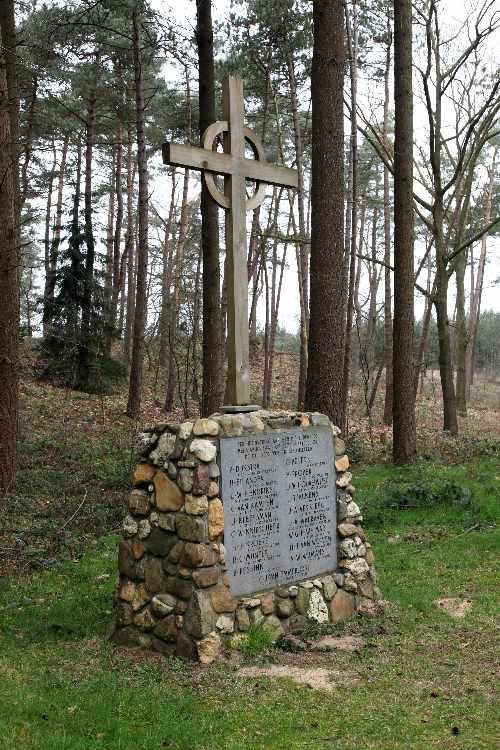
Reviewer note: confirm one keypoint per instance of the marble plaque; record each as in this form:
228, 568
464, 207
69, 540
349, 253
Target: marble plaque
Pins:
278, 492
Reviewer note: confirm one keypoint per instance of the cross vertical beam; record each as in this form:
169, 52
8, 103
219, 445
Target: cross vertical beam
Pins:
238, 367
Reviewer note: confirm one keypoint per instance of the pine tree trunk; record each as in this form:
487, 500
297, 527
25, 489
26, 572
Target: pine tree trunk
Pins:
117, 237
9, 249
387, 248
56, 239
352, 45
28, 145
174, 310
303, 244
46, 242
84, 375
135, 382
404, 434
166, 278
326, 322
212, 360
108, 276
129, 249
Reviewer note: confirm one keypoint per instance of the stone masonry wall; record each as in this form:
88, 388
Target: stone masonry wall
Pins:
173, 593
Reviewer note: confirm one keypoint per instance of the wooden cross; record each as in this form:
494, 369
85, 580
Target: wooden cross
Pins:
236, 168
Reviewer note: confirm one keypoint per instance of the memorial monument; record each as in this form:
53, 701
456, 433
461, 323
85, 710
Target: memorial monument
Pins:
247, 518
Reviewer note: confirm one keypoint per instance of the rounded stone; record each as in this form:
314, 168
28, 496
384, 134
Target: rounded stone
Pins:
273, 626
192, 528
144, 620
204, 450
164, 448
143, 474
168, 495
348, 548
215, 518
284, 607
185, 430
185, 480
196, 505
225, 623
329, 588
130, 525
341, 606
199, 619
344, 480
206, 427
317, 609
167, 629
166, 521
208, 648
144, 529
198, 555
223, 600
267, 604
347, 529
342, 463
204, 577
138, 503
163, 604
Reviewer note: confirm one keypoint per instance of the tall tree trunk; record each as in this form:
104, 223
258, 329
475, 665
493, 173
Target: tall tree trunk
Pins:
55, 242
477, 288
404, 433
117, 237
212, 349
46, 242
326, 322
108, 276
84, 366
130, 248
303, 244
9, 248
166, 277
174, 308
387, 246
28, 145
135, 383
352, 46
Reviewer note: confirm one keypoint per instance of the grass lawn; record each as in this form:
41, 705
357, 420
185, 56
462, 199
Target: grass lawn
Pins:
425, 680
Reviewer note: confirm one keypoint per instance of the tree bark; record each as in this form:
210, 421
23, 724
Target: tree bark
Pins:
166, 278
130, 248
404, 434
477, 288
387, 247
84, 364
46, 242
135, 382
303, 245
326, 322
50, 283
174, 308
9, 248
212, 349
352, 45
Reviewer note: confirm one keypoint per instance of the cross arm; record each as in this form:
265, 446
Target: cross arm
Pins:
201, 159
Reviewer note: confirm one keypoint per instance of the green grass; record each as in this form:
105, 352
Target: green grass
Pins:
426, 680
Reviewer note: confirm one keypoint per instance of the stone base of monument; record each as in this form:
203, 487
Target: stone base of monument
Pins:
235, 521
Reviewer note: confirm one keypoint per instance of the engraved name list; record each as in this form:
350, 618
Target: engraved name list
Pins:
278, 492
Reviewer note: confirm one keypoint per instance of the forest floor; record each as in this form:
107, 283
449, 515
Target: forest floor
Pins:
421, 678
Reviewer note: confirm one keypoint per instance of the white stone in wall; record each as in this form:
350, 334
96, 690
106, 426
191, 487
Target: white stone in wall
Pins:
317, 609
